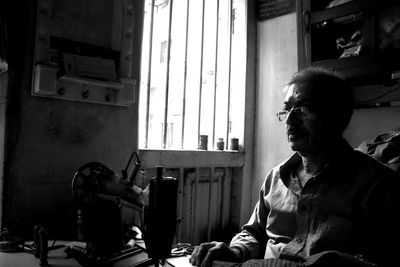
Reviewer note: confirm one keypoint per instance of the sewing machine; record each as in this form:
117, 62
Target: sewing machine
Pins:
100, 194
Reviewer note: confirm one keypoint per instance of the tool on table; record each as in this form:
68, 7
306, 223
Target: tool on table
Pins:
35, 246
43, 246
181, 249
8, 242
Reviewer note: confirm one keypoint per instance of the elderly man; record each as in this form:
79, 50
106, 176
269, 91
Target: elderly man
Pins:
327, 205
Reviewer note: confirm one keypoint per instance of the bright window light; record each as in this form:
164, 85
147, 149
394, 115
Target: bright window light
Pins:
192, 73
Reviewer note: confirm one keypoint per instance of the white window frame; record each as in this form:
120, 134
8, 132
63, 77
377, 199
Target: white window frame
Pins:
209, 77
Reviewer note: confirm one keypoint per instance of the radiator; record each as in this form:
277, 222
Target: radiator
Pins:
203, 205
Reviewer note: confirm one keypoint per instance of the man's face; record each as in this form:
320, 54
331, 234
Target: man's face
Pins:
306, 126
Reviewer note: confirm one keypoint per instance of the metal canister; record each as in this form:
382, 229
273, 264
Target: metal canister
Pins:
203, 142
220, 144
234, 144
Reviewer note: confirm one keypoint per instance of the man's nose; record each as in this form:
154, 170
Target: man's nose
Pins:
291, 117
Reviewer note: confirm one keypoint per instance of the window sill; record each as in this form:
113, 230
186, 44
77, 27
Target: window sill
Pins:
191, 158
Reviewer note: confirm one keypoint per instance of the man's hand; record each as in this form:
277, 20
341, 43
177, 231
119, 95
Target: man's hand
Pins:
204, 254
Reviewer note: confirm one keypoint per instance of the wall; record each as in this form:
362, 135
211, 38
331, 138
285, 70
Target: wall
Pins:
3, 101
277, 61
48, 140
368, 123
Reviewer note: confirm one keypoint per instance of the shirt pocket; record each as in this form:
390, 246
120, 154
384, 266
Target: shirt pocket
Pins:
331, 232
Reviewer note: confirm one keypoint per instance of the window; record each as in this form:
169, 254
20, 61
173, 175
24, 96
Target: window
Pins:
193, 73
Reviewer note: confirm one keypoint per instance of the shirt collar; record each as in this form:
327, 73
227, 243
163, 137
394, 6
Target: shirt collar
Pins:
290, 164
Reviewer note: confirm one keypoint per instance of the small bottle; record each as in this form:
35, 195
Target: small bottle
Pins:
220, 144
43, 236
80, 225
36, 240
234, 144
203, 142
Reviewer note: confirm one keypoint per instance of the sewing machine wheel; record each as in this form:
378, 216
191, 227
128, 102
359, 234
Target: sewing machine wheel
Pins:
85, 180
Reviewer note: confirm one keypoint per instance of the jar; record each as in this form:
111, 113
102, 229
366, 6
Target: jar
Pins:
234, 144
220, 144
203, 142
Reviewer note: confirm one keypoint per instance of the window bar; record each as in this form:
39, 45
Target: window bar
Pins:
210, 195
185, 75
165, 130
229, 74
201, 69
149, 75
194, 205
180, 203
215, 73
219, 197
187, 205
222, 204
227, 196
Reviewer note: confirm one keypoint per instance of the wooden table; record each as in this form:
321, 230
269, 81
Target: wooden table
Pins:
58, 258
55, 258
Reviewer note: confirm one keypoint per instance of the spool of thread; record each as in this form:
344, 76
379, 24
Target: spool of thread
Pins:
220, 144
234, 144
203, 142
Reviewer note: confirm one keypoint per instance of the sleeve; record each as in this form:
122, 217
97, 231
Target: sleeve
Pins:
382, 208
252, 239
332, 258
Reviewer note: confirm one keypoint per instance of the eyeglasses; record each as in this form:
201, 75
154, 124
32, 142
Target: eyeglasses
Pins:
298, 111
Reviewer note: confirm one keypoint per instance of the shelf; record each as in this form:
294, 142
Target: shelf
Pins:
347, 62
46, 84
350, 38
87, 81
340, 11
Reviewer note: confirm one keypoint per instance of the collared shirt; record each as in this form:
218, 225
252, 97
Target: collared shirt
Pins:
349, 206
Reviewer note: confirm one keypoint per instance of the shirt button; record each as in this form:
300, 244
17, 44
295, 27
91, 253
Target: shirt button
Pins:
299, 240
